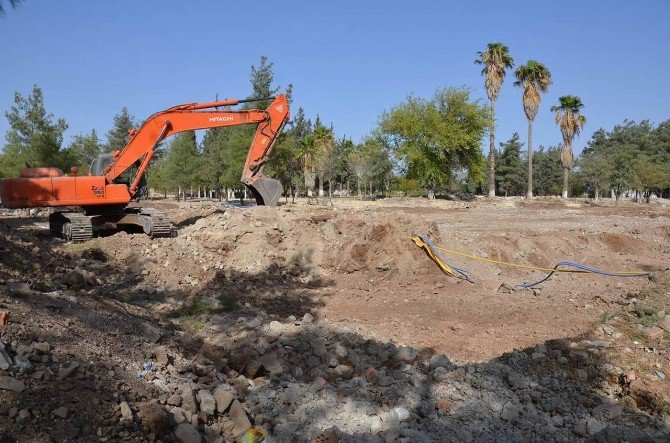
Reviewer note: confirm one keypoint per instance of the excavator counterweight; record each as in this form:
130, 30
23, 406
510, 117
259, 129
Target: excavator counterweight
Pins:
104, 194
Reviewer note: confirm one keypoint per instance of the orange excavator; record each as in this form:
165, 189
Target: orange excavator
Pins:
118, 178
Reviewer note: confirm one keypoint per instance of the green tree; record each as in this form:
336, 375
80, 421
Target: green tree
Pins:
85, 148
651, 176
496, 59
571, 122
213, 144
433, 138
287, 163
342, 173
378, 166
510, 170
262, 79
535, 78
34, 138
621, 175
119, 136
596, 171
182, 162
157, 177
548, 171
231, 145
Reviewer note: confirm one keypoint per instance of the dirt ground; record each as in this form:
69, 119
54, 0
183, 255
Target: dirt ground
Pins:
380, 284
353, 267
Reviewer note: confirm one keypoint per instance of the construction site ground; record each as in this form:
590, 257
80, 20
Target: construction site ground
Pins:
329, 319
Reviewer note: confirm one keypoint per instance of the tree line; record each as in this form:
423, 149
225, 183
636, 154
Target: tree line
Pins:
421, 146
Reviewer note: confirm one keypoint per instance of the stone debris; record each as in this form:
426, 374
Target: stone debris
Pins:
11, 384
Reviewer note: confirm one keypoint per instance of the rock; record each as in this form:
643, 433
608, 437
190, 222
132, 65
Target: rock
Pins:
188, 401
207, 402
344, 371
24, 363
517, 380
608, 411
239, 417
665, 323
319, 383
371, 375
341, 351
24, 414
64, 373
126, 413
439, 361
376, 425
386, 381
406, 354
178, 415
275, 327
510, 413
582, 374
654, 332
223, 399
307, 318
153, 416
399, 413
593, 426
443, 405
5, 359
272, 363
174, 400
42, 347
4, 317
61, 412
186, 433
11, 384
18, 288
75, 277
608, 330
150, 332
161, 355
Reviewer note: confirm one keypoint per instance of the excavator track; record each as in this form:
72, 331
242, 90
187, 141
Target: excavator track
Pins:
71, 226
156, 223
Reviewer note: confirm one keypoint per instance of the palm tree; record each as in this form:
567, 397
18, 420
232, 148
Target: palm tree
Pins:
571, 122
12, 3
535, 78
496, 59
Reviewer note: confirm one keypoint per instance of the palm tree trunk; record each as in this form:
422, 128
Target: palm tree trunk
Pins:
565, 183
492, 148
529, 189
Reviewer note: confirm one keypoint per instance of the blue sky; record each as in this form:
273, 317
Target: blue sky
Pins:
348, 61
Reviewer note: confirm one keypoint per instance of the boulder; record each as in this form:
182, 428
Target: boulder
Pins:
223, 399
207, 402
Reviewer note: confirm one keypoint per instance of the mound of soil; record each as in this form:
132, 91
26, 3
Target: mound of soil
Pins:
312, 242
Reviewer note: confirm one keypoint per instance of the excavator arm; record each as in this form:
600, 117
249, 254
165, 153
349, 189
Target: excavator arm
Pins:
143, 142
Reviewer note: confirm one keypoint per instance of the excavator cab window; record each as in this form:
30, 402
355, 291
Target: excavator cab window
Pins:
101, 163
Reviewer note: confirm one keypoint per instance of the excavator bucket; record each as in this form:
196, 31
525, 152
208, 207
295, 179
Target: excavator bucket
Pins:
266, 191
